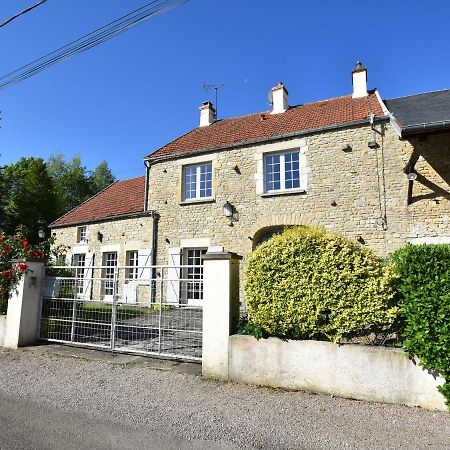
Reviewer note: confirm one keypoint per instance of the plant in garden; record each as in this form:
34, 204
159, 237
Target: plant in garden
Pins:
310, 284
15, 250
424, 301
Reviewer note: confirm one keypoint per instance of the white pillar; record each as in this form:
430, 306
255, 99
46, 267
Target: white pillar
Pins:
220, 310
22, 317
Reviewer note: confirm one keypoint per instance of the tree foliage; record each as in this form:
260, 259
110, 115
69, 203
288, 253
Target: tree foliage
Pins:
424, 298
30, 197
309, 284
34, 193
74, 183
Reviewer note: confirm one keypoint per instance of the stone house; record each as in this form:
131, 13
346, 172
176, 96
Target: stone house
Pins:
357, 165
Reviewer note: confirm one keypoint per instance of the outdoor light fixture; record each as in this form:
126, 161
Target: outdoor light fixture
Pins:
99, 236
228, 211
41, 233
412, 176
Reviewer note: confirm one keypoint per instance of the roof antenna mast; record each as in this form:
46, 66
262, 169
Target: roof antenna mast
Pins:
216, 87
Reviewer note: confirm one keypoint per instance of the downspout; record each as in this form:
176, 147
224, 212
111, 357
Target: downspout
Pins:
155, 218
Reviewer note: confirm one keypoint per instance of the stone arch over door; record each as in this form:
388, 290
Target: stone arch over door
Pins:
276, 223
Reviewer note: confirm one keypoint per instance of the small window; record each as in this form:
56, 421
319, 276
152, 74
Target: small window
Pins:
132, 263
81, 234
282, 171
197, 181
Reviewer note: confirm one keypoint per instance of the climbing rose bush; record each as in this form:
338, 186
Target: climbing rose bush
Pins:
14, 252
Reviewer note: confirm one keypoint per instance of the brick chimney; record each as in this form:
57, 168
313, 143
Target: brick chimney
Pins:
279, 96
207, 114
359, 80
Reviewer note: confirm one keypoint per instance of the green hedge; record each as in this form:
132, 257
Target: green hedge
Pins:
423, 294
309, 284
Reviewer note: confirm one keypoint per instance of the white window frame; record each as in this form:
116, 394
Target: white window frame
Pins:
82, 234
79, 262
282, 156
132, 261
109, 264
198, 167
193, 277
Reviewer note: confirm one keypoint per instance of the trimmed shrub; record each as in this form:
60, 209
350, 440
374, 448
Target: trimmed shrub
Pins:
424, 301
310, 284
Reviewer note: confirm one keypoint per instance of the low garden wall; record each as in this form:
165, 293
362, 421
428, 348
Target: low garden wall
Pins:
354, 371
2, 330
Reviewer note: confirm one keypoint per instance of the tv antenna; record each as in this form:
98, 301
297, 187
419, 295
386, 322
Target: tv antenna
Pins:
216, 87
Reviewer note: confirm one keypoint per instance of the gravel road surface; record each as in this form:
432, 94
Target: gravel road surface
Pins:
94, 402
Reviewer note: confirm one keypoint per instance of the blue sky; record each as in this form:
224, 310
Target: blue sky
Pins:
127, 97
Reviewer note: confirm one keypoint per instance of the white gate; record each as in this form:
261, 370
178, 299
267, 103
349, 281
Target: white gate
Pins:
122, 313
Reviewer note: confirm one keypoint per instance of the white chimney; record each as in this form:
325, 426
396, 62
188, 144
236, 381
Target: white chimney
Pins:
207, 114
279, 97
359, 79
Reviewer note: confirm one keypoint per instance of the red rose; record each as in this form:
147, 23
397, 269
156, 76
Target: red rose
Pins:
2, 236
5, 248
26, 246
6, 273
22, 267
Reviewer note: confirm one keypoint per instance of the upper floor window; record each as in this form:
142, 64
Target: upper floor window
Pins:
282, 171
197, 181
81, 234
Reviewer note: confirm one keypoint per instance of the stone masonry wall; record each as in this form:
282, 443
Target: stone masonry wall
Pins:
118, 235
362, 193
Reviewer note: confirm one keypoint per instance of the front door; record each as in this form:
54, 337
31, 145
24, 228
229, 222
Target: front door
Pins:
193, 276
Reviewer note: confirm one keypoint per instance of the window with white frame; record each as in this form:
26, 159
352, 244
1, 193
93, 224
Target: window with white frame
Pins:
109, 265
282, 171
132, 263
197, 181
79, 261
81, 234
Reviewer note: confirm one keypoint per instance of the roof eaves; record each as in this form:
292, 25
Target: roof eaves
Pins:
263, 139
149, 212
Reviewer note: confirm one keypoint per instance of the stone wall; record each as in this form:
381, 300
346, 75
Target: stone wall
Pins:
118, 235
362, 193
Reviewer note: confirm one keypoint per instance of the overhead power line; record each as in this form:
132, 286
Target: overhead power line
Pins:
90, 40
21, 13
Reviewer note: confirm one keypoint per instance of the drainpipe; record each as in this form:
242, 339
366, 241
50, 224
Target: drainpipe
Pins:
155, 218
147, 175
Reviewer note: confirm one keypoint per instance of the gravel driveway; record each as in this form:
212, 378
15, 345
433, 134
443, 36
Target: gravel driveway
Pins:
145, 396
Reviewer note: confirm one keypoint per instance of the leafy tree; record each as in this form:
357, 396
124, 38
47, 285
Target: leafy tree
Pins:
74, 183
101, 178
30, 198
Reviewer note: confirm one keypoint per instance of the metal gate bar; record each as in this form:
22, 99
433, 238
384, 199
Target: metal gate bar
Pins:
144, 315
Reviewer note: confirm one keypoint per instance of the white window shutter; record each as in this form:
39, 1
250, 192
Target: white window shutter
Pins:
174, 275
144, 263
88, 274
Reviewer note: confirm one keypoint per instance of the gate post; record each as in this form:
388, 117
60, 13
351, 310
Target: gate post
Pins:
24, 305
220, 309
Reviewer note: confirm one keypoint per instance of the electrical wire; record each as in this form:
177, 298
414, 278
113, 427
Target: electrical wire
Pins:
21, 13
96, 37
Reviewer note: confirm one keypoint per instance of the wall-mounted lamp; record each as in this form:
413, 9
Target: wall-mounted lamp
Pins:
228, 211
41, 233
99, 236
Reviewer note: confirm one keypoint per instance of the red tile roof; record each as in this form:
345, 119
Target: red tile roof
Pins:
119, 199
254, 127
